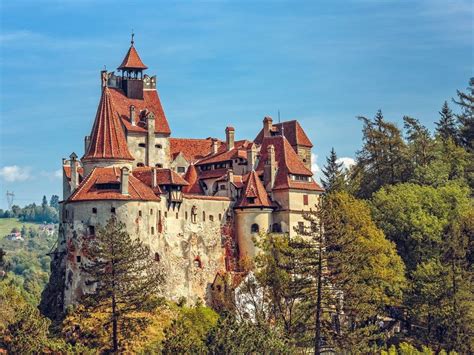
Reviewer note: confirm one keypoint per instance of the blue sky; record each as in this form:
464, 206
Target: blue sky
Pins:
221, 63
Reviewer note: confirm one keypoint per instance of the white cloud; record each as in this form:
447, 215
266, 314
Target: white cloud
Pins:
315, 167
15, 173
52, 175
347, 162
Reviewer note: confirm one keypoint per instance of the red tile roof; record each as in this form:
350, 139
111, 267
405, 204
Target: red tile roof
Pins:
222, 155
150, 102
88, 189
211, 174
288, 162
206, 197
163, 176
192, 149
292, 131
192, 178
107, 136
132, 60
253, 194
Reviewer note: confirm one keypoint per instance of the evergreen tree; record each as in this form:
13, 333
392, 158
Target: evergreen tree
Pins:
382, 159
466, 118
334, 177
54, 202
44, 203
126, 277
446, 127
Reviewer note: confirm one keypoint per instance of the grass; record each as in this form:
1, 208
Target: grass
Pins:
7, 224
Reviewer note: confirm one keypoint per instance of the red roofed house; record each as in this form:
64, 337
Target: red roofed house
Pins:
196, 202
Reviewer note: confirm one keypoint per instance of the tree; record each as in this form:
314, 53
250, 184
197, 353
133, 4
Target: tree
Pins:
446, 127
44, 203
54, 202
188, 332
126, 277
334, 177
382, 159
466, 117
234, 336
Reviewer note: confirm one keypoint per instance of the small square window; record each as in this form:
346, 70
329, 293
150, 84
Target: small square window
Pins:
139, 213
94, 210
112, 210
78, 258
211, 218
91, 230
151, 211
152, 230
181, 169
305, 200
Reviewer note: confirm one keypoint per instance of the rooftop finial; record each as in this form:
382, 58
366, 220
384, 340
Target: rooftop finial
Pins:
133, 35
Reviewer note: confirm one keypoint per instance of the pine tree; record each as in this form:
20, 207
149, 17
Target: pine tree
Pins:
466, 118
54, 202
382, 159
334, 177
44, 203
126, 276
446, 127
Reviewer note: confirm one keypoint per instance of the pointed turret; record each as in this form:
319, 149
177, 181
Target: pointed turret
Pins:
253, 193
132, 60
107, 140
192, 178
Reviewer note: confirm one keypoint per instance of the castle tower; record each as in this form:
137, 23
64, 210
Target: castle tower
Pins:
107, 146
132, 69
252, 216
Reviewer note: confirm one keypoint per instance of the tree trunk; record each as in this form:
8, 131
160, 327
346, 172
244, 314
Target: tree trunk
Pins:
317, 339
114, 325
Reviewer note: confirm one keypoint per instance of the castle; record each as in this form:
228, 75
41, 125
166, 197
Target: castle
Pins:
196, 202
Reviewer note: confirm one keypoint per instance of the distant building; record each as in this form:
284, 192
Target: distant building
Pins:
15, 236
196, 202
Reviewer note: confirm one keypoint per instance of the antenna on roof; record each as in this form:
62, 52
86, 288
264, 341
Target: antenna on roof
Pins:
282, 126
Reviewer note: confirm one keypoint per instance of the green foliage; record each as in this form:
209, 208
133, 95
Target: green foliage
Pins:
231, 336
414, 217
187, 334
408, 349
446, 127
334, 177
383, 157
126, 277
466, 118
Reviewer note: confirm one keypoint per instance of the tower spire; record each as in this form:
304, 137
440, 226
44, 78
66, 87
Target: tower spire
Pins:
132, 42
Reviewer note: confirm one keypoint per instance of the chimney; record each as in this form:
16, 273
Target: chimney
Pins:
153, 178
132, 115
269, 171
124, 172
230, 180
87, 142
150, 144
103, 78
267, 126
74, 172
229, 137
214, 146
251, 157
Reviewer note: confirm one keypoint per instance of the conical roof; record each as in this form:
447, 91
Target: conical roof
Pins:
107, 136
192, 178
254, 193
132, 60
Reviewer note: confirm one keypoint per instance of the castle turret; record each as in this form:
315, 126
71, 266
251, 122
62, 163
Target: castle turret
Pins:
107, 146
132, 69
252, 216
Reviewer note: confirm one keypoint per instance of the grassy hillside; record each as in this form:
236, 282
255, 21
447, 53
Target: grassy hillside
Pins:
7, 224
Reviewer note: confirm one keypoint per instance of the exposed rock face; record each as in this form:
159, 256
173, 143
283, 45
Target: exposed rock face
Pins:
52, 297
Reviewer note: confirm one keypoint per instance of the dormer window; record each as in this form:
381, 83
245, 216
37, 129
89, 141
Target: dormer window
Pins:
251, 199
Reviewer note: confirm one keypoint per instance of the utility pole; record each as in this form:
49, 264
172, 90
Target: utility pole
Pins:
10, 197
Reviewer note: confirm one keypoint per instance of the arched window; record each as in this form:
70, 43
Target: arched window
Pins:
276, 228
254, 228
157, 257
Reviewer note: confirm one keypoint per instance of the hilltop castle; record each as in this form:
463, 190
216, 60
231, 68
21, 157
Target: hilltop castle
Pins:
195, 202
